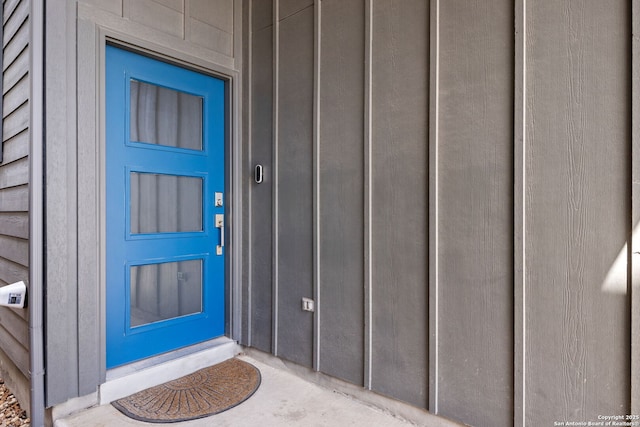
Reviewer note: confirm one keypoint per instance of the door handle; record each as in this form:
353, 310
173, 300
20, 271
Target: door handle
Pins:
258, 174
220, 225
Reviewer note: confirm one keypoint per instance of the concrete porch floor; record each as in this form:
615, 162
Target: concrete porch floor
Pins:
283, 399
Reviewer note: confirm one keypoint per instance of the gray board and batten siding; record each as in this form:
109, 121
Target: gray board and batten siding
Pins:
454, 194
312, 137
14, 192
451, 182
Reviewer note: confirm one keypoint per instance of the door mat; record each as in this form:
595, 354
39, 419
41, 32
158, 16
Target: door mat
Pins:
203, 393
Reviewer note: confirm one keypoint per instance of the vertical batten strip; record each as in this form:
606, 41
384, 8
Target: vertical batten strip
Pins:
186, 22
316, 182
36, 208
236, 173
248, 109
635, 208
368, 308
434, 82
274, 173
519, 214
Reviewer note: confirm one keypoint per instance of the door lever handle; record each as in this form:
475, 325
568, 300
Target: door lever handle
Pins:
220, 225
258, 174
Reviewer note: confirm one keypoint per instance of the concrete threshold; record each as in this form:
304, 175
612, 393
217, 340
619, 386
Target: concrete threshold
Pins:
283, 399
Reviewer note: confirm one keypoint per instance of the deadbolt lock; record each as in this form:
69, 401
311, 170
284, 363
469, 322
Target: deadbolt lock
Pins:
218, 200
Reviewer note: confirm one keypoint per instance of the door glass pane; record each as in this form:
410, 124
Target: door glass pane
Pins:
164, 291
165, 203
165, 116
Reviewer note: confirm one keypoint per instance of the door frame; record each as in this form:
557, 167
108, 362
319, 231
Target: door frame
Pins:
74, 310
233, 191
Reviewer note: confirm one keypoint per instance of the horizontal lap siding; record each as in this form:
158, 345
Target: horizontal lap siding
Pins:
14, 178
14, 224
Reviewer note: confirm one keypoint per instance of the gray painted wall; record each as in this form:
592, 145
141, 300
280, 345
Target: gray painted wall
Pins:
452, 193
14, 194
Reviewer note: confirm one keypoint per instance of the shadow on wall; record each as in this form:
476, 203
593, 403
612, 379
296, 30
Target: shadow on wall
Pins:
616, 279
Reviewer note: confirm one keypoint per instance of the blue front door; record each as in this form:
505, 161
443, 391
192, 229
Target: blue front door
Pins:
165, 133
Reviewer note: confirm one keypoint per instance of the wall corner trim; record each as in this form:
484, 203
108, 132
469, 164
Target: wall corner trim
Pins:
634, 283
36, 202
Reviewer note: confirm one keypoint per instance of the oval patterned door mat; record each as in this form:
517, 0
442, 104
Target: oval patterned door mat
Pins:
203, 393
